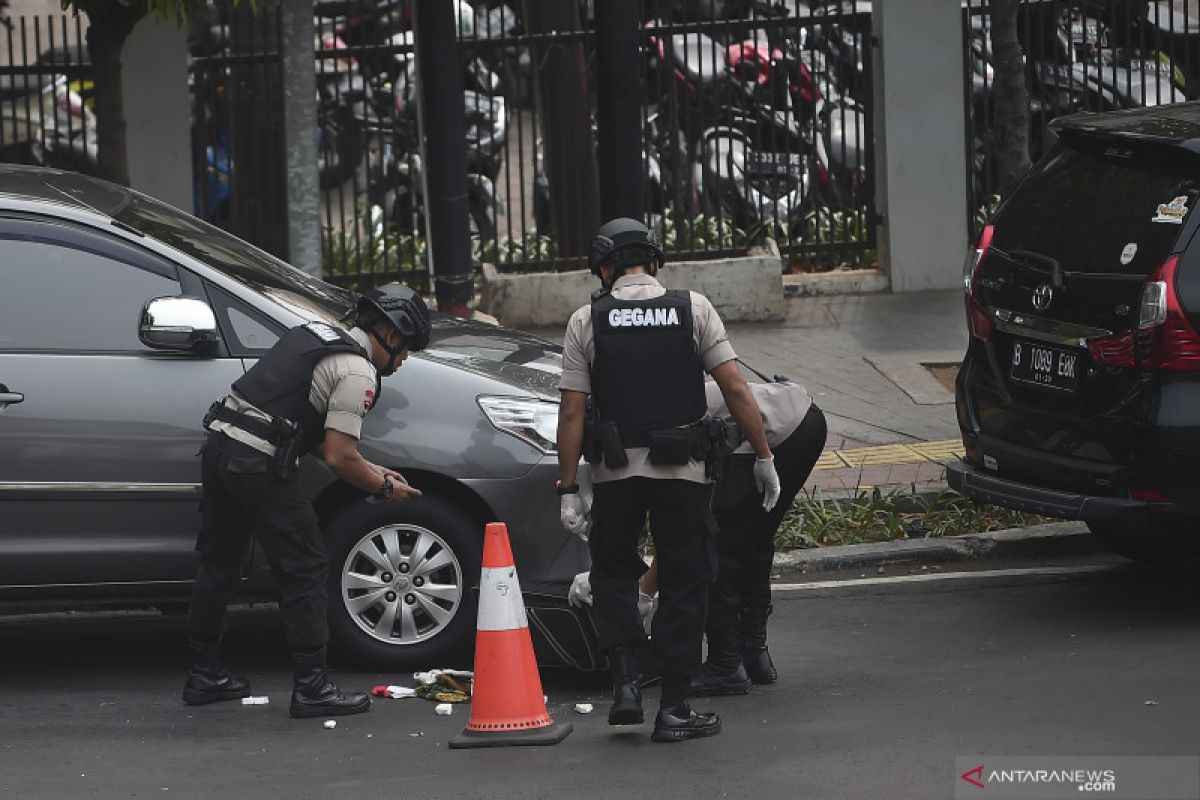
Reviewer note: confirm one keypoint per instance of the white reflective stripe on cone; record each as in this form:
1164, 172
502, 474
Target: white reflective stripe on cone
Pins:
500, 605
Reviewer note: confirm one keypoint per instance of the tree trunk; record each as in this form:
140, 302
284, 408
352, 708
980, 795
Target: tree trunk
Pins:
1010, 97
109, 25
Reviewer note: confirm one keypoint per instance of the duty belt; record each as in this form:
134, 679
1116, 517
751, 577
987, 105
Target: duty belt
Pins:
697, 432
277, 431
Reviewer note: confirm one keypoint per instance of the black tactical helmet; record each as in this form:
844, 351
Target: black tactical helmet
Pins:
626, 242
401, 306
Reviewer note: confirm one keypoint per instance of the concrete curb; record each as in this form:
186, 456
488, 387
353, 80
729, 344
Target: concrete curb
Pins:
1036, 541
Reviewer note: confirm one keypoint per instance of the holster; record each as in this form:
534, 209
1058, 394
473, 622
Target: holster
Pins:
286, 438
608, 439
716, 435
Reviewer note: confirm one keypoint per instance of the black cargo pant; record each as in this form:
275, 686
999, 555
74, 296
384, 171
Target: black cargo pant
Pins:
746, 537
681, 521
242, 497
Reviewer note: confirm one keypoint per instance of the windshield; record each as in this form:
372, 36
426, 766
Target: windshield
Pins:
1099, 208
286, 285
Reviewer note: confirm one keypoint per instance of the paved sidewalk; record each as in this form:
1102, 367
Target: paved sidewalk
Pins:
863, 357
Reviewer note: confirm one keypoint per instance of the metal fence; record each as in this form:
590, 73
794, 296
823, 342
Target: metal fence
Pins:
45, 83
1080, 55
756, 124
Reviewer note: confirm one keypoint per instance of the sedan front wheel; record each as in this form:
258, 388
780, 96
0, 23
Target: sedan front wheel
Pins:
401, 583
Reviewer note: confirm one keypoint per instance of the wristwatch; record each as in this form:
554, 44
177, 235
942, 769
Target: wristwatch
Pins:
571, 488
385, 491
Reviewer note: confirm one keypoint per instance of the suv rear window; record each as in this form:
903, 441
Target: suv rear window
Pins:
1087, 205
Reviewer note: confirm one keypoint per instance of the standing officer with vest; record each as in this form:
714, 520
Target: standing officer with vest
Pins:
641, 352
309, 393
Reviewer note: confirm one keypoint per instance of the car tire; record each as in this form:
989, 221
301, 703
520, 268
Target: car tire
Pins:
424, 616
1141, 545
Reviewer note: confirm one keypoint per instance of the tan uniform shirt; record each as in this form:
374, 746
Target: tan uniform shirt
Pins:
579, 353
782, 406
343, 389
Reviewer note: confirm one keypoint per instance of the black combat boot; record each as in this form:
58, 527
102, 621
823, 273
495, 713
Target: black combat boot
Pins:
753, 645
315, 695
719, 677
207, 680
677, 720
722, 673
627, 693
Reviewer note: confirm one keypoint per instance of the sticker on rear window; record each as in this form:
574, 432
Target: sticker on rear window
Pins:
1172, 212
1128, 253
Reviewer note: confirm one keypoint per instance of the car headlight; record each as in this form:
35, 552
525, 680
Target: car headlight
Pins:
530, 420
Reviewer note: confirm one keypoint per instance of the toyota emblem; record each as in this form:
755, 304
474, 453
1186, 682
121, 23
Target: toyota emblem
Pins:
1042, 297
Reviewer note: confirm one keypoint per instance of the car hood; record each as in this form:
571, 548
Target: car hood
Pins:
525, 362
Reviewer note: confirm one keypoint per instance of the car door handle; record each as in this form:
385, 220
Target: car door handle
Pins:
7, 397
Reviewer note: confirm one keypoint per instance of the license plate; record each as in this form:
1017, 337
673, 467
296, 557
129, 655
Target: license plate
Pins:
789, 165
1040, 365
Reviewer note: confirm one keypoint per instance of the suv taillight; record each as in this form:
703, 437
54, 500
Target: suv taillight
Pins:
1164, 339
979, 321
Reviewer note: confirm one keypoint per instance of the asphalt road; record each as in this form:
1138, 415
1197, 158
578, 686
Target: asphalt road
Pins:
883, 685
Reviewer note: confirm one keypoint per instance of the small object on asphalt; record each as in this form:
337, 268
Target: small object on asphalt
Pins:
370, 735
881, 570
1151, 702
393, 691
415, 734
443, 709
583, 708
330, 724
255, 701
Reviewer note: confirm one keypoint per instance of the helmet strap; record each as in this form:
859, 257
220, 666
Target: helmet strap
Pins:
393, 352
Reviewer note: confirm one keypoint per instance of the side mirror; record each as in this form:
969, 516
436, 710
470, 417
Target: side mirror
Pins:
178, 323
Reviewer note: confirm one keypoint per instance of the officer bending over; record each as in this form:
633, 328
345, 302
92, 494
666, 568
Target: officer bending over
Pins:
740, 599
641, 351
309, 393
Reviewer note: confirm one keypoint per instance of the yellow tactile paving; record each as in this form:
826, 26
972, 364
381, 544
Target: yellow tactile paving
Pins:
876, 456
829, 460
940, 451
890, 454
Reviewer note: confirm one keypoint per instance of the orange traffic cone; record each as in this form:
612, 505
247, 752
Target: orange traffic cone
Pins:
507, 705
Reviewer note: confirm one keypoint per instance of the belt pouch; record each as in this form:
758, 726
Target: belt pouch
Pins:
670, 446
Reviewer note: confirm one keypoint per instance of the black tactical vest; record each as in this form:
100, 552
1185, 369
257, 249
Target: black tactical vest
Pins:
279, 383
646, 374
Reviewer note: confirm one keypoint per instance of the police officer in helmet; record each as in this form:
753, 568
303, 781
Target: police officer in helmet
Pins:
308, 393
641, 352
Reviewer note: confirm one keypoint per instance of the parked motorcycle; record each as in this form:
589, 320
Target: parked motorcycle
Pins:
395, 180
43, 121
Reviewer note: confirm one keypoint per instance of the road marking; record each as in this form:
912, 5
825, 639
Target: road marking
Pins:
941, 576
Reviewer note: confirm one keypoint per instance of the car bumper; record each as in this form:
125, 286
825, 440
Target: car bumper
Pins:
980, 485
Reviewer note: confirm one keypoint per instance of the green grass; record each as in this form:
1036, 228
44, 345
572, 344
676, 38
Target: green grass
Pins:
816, 520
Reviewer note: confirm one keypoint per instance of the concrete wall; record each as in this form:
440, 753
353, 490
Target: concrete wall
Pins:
920, 134
746, 289
157, 114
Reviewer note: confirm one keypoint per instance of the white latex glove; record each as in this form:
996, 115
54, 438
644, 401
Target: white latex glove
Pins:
766, 480
647, 605
573, 514
581, 590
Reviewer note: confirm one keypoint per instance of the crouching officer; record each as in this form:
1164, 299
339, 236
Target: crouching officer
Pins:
309, 393
642, 351
740, 599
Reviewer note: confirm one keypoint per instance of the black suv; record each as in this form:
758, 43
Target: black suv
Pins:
1079, 396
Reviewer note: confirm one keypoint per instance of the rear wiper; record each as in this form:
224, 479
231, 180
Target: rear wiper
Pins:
1052, 264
